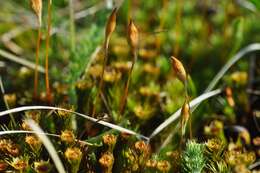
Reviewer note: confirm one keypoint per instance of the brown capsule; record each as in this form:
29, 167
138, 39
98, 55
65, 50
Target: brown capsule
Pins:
37, 7
185, 114
229, 96
179, 69
185, 111
111, 23
132, 35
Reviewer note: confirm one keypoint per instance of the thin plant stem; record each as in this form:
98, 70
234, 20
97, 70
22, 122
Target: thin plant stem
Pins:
101, 82
48, 92
72, 27
124, 98
20, 60
36, 74
190, 127
5, 102
190, 120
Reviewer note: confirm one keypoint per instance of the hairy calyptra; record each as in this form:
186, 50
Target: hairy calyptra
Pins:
179, 70
111, 25
37, 7
229, 97
185, 114
132, 35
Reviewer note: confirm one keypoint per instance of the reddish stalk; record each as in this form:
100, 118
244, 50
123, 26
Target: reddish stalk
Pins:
110, 27
48, 91
133, 40
35, 92
124, 98
101, 82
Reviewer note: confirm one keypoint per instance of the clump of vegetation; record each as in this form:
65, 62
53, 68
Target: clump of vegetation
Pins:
193, 159
119, 86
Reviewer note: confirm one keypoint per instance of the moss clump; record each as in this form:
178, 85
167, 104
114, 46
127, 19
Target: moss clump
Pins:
193, 159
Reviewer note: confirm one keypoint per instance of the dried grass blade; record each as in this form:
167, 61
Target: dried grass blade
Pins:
48, 145
250, 48
177, 114
104, 123
21, 61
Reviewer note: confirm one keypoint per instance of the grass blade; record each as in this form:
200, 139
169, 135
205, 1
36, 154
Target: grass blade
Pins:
48, 145
8, 132
20, 60
250, 48
104, 123
177, 114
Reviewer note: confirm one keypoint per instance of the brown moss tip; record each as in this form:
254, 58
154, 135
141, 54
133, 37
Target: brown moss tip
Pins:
142, 147
163, 166
109, 140
229, 96
33, 142
20, 164
37, 7
179, 69
185, 111
111, 23
73, 155
9, 147
106, 161
214, 145
132, 35
67, 136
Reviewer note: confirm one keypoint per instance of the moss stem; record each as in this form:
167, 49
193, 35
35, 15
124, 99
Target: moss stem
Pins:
124, 98
101, 82
35, 92
48, 92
